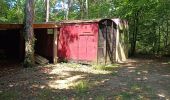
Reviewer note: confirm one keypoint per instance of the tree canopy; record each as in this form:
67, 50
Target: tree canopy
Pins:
149, 20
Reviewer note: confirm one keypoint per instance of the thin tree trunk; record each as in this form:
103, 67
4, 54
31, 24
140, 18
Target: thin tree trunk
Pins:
136, 20
159, 30
29, 34
63, 8
47, 10
155, 40
167, 32
82, 8
68, 9
87, 9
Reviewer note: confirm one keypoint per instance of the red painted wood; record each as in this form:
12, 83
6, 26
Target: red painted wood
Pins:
78, 42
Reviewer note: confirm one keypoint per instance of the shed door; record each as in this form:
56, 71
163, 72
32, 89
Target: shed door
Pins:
87, 49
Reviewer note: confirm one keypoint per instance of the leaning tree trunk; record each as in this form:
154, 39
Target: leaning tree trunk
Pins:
29, 34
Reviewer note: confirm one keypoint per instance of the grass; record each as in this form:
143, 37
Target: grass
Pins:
48, 94
136, 91
81, 87
124, 96
114, 73
168, 62
108, 67
136, 88
45, 94
9, 95
100, 98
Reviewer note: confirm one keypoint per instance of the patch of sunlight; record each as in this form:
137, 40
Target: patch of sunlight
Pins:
37, 86
138, 79
108, 67
138, 73
100, 72
131, 67
166, 63
65, 83
129, 64
56, 71
161, 95
47, 65
166, 75
145, 71
145, 78
131, 71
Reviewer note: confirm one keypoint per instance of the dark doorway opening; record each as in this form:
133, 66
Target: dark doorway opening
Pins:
10, 44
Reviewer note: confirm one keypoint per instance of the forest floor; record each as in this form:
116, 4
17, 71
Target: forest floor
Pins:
137, 79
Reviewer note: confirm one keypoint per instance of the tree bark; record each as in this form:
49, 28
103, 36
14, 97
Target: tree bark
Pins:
135, 33
29, 34
47, 10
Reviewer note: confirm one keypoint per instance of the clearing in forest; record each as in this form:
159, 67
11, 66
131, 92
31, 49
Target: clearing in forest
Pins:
143, 79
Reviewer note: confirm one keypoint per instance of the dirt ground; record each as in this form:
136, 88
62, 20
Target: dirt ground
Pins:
137, 79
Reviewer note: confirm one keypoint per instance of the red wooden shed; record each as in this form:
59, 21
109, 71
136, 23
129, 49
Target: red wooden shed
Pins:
88, 41
78, 40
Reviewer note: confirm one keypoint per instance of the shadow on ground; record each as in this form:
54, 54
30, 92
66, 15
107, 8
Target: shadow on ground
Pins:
145, 79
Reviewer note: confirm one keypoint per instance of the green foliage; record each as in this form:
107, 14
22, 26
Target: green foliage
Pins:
81, 87
148, 19
145, 17
108, 67
11, 11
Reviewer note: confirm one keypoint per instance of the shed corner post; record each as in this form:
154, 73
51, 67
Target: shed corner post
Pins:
55, 45
117, 44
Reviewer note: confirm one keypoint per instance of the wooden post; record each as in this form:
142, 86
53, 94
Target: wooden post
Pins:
55, 46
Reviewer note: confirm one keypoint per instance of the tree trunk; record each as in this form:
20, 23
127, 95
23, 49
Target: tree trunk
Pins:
29, 34
87, 9
64, 9
68, 9
82, 8
135, 32
159, 38
47, 10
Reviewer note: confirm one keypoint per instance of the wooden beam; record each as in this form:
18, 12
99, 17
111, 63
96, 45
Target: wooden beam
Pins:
45, 25
20, 26
10, 26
